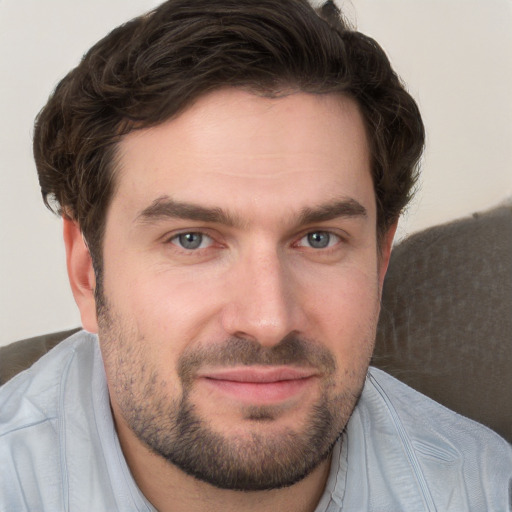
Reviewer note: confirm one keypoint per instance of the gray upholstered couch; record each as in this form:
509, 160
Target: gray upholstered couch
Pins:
446, 321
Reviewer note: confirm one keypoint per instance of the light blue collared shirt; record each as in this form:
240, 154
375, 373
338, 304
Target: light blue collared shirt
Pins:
401, 451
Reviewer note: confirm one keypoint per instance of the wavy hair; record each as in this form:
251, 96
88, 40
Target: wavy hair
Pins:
152, 68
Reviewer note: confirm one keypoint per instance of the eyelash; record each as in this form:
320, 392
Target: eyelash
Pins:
177, 237
331, 236
175, 240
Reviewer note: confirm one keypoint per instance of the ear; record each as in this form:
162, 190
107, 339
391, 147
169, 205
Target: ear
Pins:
81, 274
385, 252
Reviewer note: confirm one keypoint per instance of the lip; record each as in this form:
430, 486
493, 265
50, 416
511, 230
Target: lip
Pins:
259, 385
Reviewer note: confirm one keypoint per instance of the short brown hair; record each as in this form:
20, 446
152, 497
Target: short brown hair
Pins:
152, 68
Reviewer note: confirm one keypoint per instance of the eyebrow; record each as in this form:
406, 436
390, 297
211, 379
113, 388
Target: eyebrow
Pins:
332, 210
167, 208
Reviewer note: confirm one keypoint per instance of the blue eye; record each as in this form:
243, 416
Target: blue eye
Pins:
319, 240
191, 241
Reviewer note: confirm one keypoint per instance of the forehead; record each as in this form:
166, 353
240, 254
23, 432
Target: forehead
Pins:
235, 150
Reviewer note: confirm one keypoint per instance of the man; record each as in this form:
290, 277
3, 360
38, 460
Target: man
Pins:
230, 175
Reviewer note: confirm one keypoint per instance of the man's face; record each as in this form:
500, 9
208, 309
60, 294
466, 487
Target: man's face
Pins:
241, 285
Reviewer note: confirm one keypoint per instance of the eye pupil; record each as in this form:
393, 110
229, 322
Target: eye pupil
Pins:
318, 239
190, 240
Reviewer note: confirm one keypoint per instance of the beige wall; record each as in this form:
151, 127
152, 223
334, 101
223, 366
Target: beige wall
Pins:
455, 56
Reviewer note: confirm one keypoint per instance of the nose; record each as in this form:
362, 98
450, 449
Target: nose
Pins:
263, 302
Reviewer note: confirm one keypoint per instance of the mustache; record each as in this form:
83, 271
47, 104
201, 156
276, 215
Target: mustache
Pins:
292, 350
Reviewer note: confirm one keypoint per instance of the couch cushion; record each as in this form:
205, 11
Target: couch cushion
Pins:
446, 320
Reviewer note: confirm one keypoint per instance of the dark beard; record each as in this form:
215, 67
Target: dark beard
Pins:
256, 460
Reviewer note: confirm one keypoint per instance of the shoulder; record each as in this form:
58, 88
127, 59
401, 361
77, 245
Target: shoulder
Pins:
32, 416
32, 396
420, 415
452, 458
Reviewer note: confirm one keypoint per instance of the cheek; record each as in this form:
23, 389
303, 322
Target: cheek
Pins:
173, 307
346, 313
170, 308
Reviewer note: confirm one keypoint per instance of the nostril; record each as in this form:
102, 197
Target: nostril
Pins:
266, 324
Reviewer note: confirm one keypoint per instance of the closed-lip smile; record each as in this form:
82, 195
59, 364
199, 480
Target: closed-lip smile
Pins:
259, 385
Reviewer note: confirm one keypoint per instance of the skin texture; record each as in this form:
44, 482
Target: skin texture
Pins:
242, 282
